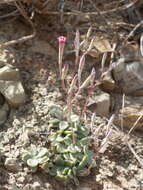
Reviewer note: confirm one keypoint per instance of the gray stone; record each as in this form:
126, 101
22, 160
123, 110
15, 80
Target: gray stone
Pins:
131, 113
11, 164
4, 109
21, 179
13, 92
36, 185
84, 188
100, 104
9, 73
10, 83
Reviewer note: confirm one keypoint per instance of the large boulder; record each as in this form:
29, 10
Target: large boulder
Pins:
126, 77
10, 82
131, 114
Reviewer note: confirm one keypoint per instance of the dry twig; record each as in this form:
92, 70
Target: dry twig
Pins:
135, 154
24, 38
13, 13
118, 9
133, 31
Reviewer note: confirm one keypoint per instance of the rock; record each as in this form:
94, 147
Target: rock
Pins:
107, 82
10, 83
13, 92
132, 111
129, 76
27, 187
4, 109
85, 188
20, 180
126, 75
9, 73
100, 104
36, 185
11, 164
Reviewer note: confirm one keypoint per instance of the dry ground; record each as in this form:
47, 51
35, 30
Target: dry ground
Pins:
117, 168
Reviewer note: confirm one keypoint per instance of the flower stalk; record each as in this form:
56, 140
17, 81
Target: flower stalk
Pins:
80, 68
64, 75
77, 46
62, 41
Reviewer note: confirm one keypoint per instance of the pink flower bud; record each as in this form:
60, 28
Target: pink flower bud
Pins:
62, 40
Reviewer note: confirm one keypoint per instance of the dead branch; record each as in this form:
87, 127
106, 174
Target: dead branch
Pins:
132, 32
24, 38
76, 13
135, 154
13, 13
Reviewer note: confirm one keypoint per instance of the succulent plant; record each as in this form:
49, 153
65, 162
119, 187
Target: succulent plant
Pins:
38, 158
68, 155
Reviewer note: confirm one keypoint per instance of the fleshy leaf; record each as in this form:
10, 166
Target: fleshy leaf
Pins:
42, 152
43, 159
85, 141
63, 125
26, 156
56, 112
32, 162
74, 118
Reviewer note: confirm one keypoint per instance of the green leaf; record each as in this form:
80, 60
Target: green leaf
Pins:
46, 165
78, 155
59, 160
74, 171
54, 121
86, 159
69, 163
42, 152
74, 118
26, 156
56, 112
52, 137
62, 178
83, 131
32, 162
66, 156
68, 132
73, 148
43, 159
59, 139
55, 169
61, 148
70, 174
83, 162
85, 141
34, 169
66, 171
68, 140
63, 125
73, 158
